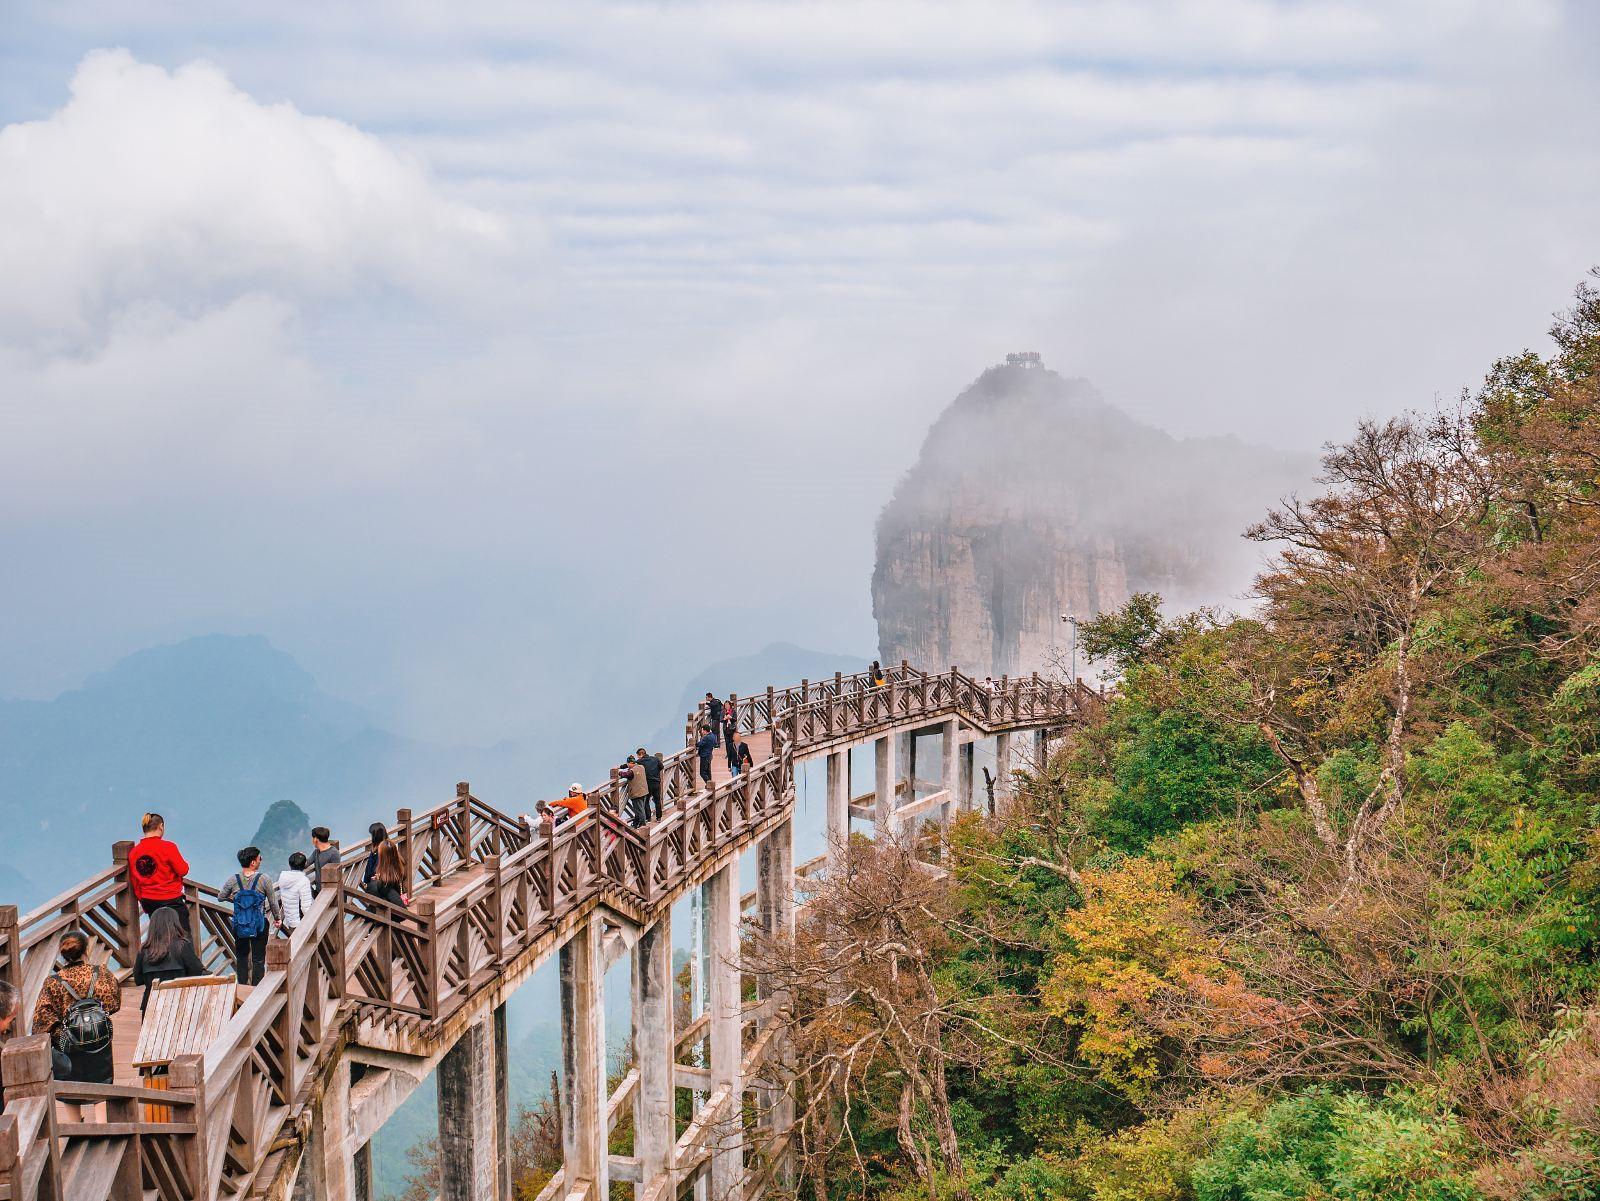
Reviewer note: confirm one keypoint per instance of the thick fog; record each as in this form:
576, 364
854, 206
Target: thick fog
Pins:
508, 365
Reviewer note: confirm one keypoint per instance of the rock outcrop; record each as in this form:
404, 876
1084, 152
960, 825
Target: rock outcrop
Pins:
1034, 498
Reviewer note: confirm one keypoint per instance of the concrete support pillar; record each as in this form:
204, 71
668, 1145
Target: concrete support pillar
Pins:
1002, 767
654, 1041
775, 902
472, 1111
775, 881
329, 1170
883, 798
838, 804
583, 1065
964, 776
949, 765
727, 1036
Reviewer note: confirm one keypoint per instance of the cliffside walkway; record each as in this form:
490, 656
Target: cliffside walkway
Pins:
366, 999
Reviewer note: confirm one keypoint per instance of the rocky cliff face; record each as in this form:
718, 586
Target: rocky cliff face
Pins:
1034, 498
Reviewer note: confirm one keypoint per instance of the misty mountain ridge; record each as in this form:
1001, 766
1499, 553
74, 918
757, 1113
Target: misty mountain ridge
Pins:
1034, 497
209, 732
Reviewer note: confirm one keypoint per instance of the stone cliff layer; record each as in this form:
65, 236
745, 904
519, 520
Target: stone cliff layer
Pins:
1033, 498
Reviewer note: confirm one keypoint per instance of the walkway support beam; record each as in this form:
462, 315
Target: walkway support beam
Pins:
838, 805
725, 1010
583, 1068
655, 1044
883, 793
472, 1110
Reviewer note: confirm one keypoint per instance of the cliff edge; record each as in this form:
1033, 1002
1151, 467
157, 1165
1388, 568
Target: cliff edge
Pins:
1033, 497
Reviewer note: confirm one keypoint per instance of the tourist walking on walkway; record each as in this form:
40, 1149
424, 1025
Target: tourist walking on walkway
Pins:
74, 1009
388, 878
730, 732
638, 791
166, 954
255, 912
740, 759
379, 834
156, 869
323, 854
705, 746
714, 711
875, 674
294, 891
652, 774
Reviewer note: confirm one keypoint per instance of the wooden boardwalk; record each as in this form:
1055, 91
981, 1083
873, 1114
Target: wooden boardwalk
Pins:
493, 893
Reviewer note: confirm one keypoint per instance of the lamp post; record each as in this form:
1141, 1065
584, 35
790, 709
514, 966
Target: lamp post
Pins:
1073, 622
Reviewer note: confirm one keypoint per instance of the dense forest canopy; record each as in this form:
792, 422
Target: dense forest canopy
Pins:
1310, 909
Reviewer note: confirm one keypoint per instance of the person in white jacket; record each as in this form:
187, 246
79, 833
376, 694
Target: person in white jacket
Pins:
294, 891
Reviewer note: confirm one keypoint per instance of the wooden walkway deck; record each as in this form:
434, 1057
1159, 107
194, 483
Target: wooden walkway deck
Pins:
126, 1022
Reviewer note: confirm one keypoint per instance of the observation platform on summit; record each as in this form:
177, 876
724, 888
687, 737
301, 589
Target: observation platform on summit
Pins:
367, 1000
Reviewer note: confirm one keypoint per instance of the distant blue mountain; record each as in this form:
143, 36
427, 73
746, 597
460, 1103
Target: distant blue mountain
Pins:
209, 732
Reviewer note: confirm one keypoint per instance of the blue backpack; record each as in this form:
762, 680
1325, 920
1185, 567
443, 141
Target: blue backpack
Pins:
249, 908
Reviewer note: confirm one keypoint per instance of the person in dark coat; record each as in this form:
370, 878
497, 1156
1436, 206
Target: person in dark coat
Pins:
323, 854
739, 759
652, 774
714, 710
705, 746
638, 791
166, 954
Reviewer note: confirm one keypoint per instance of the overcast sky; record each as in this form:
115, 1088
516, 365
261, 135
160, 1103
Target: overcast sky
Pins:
453, 345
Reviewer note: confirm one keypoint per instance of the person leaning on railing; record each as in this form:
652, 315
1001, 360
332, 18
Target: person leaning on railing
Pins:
323, 854
388, 881
652, 773
156, 869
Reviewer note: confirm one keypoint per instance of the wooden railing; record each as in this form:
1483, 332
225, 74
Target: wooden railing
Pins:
486, 888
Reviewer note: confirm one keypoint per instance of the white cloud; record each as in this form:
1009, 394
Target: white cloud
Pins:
177, 187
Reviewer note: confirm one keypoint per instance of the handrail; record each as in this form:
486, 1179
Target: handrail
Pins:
518, 881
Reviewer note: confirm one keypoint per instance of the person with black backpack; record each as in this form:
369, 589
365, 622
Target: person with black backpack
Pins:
74, 1009
256, 913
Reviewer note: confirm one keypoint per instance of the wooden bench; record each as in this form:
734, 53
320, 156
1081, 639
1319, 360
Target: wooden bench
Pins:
184, 1017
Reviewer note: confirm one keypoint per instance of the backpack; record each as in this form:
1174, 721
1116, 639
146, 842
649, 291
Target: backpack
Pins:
86, 1026
249, 908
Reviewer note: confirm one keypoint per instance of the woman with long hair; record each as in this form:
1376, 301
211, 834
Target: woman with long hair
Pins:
388, 881
166, 954
378, 836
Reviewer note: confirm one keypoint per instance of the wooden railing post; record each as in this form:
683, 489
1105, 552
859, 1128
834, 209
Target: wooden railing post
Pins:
333, 881
127, 908
464, 820
402, 835
11, 967
432, 1001
436, 846
186, 1077
497, 913
25, 1067
288, 1020
10, 1163
772, 708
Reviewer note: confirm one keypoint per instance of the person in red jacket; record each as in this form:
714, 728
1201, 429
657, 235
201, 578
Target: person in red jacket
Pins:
156, 869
